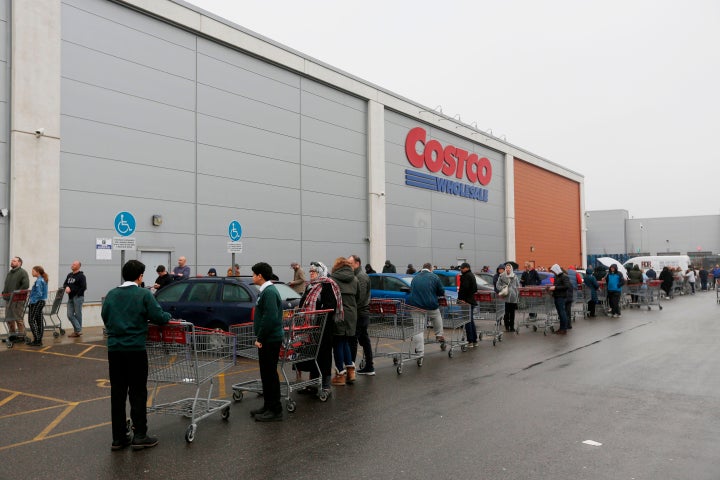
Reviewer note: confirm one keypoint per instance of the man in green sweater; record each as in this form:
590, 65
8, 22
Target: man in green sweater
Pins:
125, 313
268, 329
16, 279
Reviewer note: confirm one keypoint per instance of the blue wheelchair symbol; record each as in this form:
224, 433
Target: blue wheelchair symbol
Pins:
125, 224
234, 231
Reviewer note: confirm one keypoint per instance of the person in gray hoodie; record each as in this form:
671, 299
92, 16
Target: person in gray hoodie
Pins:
345, 322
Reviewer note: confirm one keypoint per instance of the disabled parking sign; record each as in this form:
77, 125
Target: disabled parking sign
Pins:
124, 224
234, 231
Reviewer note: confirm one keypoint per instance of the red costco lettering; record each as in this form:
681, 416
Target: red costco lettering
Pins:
449, 160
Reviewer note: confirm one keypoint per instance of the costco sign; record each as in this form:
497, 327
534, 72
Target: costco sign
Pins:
451, 161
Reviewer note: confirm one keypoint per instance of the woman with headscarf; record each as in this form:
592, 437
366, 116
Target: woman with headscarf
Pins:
508, 279
344, 325
322, 293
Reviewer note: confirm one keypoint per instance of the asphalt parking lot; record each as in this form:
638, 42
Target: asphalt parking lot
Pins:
644, 387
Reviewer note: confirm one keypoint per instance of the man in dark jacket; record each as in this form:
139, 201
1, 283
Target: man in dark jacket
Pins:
559, 292
389, 267
268, 328
75, 285
125, 313
16, 279
424, 292
363, 318
466, 293
530, 277
667, 281
164, 278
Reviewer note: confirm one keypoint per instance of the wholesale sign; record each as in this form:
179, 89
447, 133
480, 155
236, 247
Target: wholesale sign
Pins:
452, 162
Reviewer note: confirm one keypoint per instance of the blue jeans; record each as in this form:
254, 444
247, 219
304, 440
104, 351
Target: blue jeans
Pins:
74, 312
562, 313
470, 330
341, 352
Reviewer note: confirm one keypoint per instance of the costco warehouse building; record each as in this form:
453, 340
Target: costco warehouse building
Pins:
165, 111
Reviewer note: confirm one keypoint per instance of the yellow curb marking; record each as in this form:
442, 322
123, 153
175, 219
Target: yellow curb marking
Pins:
69, 432
10, 397
57, 420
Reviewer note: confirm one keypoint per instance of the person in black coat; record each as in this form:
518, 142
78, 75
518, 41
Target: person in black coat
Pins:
466, 293
667, 281
389, 267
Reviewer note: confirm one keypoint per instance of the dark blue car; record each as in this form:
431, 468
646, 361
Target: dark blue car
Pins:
395, 285
217, 302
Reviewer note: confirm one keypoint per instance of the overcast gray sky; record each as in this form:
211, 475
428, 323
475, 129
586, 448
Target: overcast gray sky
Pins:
624, 92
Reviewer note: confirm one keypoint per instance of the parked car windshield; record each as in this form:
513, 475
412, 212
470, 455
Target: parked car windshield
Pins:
448, 280
171, 293
235, 293
286, 293
484, 281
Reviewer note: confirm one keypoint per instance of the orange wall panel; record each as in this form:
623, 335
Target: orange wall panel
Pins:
547, 217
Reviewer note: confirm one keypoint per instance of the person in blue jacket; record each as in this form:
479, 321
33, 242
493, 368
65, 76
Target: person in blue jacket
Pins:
424, 292
38, 296
615, 282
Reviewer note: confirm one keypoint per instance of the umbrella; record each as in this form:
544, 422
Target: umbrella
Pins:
607, 261
514, 265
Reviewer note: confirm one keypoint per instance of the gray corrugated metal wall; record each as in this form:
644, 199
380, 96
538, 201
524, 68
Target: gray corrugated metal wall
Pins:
156, 120
426, 226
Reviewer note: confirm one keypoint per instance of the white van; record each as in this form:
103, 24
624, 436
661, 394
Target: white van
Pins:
657, 262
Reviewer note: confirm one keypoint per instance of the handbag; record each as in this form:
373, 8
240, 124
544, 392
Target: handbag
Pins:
505, 291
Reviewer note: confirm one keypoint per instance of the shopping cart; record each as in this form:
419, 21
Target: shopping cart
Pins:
490, 311
579, 306
303, 332
651, 294
184, 354
14, 311
51, 313
455, 315
603, 299
395, 320
533, 307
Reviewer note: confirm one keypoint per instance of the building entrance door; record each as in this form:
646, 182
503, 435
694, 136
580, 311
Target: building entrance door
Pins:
152, 259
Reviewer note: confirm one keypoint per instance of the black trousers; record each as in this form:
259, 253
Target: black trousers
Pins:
510, 315
35, 319
363, 339
128, 379
268, 357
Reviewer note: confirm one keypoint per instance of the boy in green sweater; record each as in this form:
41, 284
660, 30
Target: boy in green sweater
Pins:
125, 313
268, 329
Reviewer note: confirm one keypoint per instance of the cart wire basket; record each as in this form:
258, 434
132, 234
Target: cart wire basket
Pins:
181, 353
302, 335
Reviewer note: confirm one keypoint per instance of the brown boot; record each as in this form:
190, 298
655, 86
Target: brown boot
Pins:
350, 374
339, 379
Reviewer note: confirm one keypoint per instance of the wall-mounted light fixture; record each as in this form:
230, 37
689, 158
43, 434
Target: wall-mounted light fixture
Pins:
4, 212
532, 248
157, 220
462, 245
